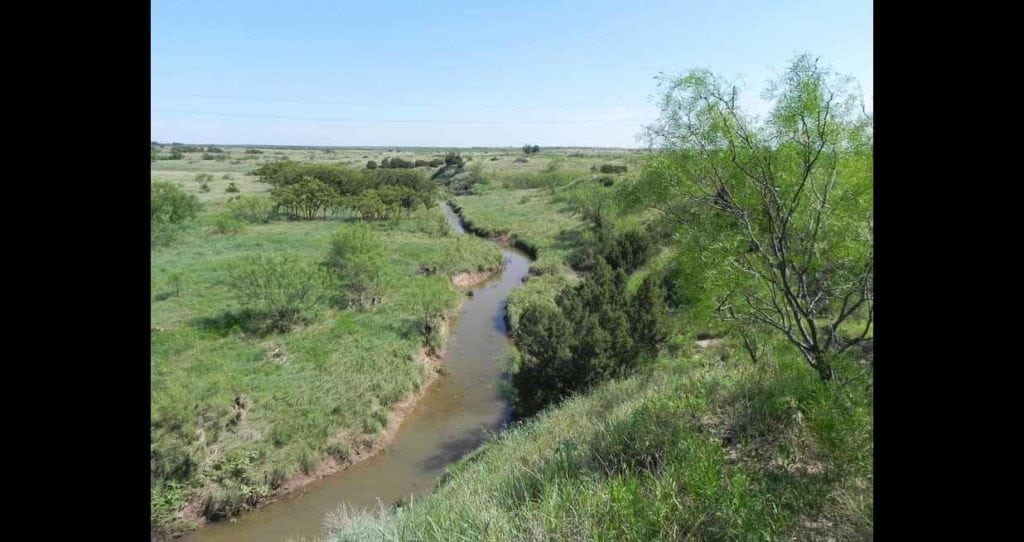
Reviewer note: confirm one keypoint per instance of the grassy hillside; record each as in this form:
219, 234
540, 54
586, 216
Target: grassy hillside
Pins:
704, 447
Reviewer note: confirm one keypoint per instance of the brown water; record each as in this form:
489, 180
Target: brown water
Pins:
456, 414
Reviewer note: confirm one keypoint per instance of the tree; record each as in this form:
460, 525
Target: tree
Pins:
252, 208
431, 302
647, 318
279, 286
306, 199
371, 164
169, 204
784, 204
358, 261
594, 334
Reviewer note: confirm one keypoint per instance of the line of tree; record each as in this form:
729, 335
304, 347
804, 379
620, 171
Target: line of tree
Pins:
530, 149
307, 191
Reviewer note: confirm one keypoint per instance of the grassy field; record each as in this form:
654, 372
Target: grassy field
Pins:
235, 413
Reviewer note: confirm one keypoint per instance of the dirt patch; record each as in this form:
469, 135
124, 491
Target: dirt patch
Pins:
465, 280
704, 344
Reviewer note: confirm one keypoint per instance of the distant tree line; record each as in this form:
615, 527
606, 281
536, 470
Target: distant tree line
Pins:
306, 191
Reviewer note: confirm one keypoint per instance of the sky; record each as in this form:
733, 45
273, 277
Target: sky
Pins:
469, 73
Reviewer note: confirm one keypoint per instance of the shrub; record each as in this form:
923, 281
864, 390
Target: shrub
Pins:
279, 286
227, 224
253, 151
595, 333
203, 178
204, 187
422, 163
177, 154
453, 159
606, 180
530, 149
214, 150
371, 165
520, 160
170, 204
231, 188
358, 261
226, 176
436, 162
252, 208
608, 168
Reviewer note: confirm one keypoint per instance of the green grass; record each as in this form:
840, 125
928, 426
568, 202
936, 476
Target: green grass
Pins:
699, 449
331, 378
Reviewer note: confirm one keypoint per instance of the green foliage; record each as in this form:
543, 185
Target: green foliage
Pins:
431, 305
278, 286
253, 151
231, 188
609, 168
627, 250
358, 261
595, 333
305, 199
779, 210
227, 224
371, 164
530, 149
453, 159
252, 208
169, 204
170, 207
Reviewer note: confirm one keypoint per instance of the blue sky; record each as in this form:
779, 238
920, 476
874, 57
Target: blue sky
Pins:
463, 73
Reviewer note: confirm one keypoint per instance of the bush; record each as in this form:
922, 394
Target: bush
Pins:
595, 333
436, 162
530, 149
169, 204
177, 155
453, 159
231, 188
253, 151
358, 261
203, 178
278, 286
227, 224
204, 187
371, 165
608, 168
214, 150
606, 180
251, 208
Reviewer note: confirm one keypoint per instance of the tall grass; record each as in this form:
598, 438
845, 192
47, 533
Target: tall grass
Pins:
700, 449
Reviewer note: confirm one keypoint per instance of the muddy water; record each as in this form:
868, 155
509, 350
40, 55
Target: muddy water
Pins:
454, 416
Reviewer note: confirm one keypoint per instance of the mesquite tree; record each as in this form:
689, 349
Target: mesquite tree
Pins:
778, 209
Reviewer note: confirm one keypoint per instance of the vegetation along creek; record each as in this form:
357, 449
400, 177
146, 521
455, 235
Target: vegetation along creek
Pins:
456, 414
